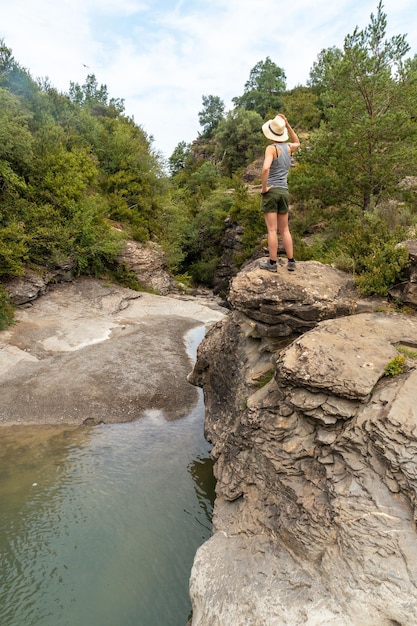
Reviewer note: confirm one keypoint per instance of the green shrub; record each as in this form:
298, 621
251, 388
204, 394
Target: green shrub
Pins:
362, 244
95, 244
203, 271
184, 279
246, 212
383, 267
344, 262
395, 366
126, 277
6, 310
140, 233
13, 249
202, 241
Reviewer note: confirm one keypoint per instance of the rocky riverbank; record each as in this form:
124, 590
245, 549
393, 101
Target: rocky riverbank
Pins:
89, 352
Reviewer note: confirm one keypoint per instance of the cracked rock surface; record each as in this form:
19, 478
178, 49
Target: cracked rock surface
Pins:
315, 454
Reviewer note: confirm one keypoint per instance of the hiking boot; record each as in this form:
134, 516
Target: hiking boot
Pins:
266, 265
291, 266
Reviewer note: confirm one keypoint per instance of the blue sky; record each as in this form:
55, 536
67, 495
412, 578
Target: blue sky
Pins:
161, 57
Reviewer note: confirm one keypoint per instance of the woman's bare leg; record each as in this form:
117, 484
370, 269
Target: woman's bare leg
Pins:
285, 234
271, 222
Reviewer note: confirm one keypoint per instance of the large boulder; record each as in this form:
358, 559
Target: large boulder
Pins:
149, 264
315, 457
25, 288
285, 304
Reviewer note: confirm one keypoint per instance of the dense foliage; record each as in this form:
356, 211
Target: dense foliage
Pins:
70, 167
78, 176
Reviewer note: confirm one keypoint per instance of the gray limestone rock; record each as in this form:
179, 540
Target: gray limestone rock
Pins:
294, 302
149, 264
25, 288
315, 452
90, 352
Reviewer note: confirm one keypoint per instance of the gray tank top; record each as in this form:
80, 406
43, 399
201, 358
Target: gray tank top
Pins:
280, 167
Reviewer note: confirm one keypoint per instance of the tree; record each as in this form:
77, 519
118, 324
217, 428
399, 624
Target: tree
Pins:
301, 108
7, 62
129, 175
239, 139
178, 159
321, 73
366, 144
211, 115
95, 97
264, 90
16, 145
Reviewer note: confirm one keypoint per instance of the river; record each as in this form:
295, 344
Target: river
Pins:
100, 525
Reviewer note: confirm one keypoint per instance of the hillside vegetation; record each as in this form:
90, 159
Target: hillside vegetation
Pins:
78, 176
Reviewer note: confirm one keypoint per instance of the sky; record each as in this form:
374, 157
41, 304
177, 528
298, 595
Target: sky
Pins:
161, 57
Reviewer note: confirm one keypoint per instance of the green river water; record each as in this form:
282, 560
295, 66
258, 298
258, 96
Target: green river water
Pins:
99, 525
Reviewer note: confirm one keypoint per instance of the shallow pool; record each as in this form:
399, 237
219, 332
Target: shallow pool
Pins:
99, 525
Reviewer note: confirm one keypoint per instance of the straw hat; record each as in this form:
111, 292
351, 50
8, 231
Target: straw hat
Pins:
275, 129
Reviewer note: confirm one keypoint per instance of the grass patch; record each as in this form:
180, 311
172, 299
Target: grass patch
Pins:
265, 378
408, 352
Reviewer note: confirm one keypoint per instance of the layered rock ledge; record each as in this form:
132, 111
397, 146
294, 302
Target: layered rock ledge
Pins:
315, 452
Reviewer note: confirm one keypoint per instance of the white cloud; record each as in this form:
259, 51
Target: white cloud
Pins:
163, 56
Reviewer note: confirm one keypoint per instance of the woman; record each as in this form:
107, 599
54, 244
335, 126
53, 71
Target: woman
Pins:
275, 196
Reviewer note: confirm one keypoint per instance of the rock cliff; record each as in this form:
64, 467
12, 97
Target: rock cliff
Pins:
315, 456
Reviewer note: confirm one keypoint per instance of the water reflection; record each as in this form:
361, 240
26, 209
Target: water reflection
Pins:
100, 525
201, 470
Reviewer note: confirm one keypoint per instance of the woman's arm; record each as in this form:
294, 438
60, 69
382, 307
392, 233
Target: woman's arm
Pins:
295, 142
269, 157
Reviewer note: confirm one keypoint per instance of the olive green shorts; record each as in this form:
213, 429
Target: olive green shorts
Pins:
276, 200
